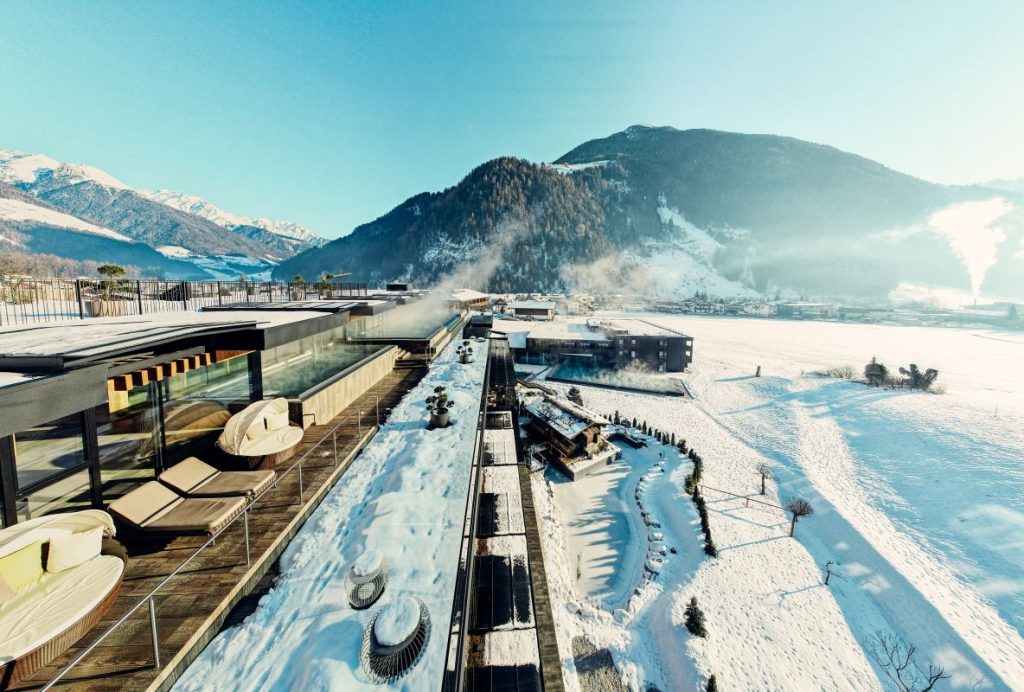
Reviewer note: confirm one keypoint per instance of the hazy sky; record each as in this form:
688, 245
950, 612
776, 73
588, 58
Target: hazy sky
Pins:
331, 113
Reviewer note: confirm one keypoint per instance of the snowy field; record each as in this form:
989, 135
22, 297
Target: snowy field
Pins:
920, 497
405, 496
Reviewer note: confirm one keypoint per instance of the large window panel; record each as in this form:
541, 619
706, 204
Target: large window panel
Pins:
197, 405
66, 495
47, 450
128, 440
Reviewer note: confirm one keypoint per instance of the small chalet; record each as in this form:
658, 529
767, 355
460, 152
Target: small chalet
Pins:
466, 299
573, 434
534, 309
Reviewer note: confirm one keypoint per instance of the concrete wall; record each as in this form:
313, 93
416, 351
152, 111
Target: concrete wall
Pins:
327, 401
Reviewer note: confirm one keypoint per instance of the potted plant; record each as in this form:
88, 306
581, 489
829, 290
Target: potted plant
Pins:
105, 303
465, 352
437, 404
297, 289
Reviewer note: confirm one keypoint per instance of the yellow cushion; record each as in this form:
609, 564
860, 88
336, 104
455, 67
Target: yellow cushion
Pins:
22, 566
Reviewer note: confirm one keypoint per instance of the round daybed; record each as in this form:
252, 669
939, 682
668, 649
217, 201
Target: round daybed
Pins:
261, 434
65, 596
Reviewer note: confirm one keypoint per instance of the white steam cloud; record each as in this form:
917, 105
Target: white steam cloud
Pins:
969, 229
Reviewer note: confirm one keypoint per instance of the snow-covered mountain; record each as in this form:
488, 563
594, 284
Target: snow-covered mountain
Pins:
21, 169
50, 240
207, 210
90, 199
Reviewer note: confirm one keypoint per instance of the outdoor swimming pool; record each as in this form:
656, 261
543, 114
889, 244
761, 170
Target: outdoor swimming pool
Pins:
291, 374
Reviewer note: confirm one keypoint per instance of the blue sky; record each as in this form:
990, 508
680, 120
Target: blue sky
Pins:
331, 113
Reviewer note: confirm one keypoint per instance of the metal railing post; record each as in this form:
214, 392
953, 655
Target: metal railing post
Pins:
359, 423
220, 298
334, 434
152, 631
245, 523
138, 294
78, 294
376, 409
302, 495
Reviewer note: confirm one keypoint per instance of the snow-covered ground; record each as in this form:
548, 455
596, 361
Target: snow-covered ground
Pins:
405, 496
919, 496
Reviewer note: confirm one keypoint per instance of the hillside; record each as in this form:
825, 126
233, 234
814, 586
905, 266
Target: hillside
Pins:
30, 227
519, 220
668, 212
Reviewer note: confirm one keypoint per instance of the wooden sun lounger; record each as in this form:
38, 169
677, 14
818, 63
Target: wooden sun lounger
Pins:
195, 478
155, 508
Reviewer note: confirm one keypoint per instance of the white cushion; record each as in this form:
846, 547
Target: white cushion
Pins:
50, 605
72, 549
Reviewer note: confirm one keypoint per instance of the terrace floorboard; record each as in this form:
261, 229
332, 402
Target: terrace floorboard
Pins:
194, 605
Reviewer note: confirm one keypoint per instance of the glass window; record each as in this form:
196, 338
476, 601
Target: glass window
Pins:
197, 404
128, 435
67, 494
45, 450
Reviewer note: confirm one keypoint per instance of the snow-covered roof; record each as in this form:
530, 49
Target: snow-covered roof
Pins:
8, 379
566, 331
533, 305
564, 417
95, 336
515, 330
463, 295
642, 328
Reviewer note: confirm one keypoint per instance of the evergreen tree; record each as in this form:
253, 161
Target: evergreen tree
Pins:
695, 619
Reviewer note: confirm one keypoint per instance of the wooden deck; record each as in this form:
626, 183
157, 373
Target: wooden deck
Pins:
195, 604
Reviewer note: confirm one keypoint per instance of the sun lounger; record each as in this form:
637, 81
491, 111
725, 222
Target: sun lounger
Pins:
155, 508
195, 478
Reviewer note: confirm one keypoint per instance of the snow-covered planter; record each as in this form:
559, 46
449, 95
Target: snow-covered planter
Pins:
367, 578
437, 404
465, 352
395, 639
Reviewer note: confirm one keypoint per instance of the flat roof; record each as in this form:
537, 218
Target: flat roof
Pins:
565, 331
292, 305
467, 294
62, 344
533, 305
639, 327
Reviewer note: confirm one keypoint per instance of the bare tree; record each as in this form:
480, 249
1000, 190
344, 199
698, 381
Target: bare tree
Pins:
896, 659
798, 507
830, 570
765, 469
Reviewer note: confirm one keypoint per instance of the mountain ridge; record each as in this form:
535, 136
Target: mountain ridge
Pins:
675, 212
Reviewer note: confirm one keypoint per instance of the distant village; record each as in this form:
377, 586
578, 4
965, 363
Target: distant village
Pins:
908, 313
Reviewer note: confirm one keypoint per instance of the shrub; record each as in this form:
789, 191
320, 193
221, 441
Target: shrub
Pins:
709, 548
712, 684
876, 373
840, 372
